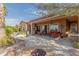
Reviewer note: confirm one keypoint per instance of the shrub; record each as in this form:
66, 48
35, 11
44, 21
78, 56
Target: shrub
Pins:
23, 33
76, 45
5, 41
10, 29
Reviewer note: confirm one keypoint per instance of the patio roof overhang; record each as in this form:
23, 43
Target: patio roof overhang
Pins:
47, 19
57, 17
73, 18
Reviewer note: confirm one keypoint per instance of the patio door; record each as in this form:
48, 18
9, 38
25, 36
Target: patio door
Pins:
73, 28
46, 28
37, 29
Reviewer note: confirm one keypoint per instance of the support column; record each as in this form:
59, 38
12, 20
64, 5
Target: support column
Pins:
63, 29
31, 29
78, 23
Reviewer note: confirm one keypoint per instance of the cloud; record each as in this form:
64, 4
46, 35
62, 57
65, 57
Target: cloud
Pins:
36, 12
11, 22
40, 12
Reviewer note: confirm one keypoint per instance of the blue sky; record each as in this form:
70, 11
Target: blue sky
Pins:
17, 12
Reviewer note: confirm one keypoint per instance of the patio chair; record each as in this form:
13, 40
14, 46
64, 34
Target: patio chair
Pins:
63, 35
54, 34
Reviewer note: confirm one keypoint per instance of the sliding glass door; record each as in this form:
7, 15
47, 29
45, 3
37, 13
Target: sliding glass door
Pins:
54, 27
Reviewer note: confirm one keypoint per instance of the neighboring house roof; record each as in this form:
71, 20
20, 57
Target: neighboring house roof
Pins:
23, 22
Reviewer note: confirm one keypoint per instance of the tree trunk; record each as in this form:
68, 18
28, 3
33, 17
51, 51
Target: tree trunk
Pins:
2, 30
2, 20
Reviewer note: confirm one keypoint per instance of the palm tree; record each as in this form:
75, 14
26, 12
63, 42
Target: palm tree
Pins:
5, 10
2, 22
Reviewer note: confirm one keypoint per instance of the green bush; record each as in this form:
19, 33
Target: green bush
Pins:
10, 29
23, 33
76, 45
5, 41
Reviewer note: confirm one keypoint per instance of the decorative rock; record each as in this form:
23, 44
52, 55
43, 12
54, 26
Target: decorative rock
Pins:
73, 52
38, 52
11, 51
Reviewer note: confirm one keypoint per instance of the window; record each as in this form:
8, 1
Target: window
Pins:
73, 28
54, 27
42, 27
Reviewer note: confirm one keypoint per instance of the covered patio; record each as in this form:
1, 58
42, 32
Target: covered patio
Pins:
60, 24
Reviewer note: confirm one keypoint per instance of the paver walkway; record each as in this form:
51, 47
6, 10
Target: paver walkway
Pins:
52, 46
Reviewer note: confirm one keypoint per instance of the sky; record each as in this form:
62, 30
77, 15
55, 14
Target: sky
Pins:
17, 12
